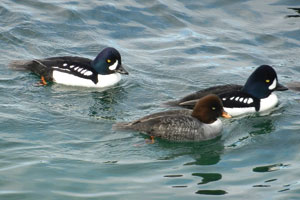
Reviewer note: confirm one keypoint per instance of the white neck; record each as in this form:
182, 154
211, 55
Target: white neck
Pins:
212, 130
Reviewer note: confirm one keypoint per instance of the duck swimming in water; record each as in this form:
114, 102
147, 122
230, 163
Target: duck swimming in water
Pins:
257, 95
104, 71
199, 124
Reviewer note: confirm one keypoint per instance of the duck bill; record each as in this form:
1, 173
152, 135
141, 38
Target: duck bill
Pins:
280, 87
121, 70
226, 115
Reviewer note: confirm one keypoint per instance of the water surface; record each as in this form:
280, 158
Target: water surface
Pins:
56, 142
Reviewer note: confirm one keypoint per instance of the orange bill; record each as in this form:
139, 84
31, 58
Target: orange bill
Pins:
226, 115
43, 81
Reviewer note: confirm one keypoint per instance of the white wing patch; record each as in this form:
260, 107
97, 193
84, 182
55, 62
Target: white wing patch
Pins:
250, 100
241, 99
78, 69
231, 98
83, 71
64, 69
273, 85
237, 98
224, 99
245, 100
88, 73
114, 66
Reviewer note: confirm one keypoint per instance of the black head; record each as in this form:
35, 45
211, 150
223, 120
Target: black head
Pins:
108, 61
262, 82
209, 108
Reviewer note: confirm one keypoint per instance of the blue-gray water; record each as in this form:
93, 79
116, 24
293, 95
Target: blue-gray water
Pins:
56, 142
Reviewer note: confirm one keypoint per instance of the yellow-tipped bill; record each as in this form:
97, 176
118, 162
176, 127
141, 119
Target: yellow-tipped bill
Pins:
226, 115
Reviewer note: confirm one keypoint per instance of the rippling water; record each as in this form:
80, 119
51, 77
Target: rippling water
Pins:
56, 142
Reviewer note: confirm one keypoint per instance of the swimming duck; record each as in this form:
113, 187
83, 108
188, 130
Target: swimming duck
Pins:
255, 96
199, 124
103, 71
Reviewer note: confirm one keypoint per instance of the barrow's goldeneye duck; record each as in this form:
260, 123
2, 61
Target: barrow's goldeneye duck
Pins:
103, 71
255, 96
199, 124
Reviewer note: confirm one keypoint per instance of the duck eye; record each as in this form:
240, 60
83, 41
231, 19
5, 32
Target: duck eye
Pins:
108, 61
213, 108
267, 81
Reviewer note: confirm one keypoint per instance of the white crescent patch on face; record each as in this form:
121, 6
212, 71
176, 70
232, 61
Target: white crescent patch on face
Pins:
273, 85
114, 66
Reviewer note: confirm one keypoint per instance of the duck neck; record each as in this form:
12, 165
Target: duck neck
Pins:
202, 117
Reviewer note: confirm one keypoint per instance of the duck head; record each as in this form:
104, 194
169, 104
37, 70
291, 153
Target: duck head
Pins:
262, 82
209, 108
108, 61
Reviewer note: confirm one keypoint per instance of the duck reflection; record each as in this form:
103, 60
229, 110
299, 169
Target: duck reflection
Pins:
242, 132
208, 177
203, 153
263, 127
295, 9
106, 103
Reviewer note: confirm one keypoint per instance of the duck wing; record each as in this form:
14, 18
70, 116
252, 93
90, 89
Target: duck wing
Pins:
190, 100
171, 127
44, 67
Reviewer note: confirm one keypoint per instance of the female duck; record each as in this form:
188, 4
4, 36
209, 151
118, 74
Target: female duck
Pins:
183, 125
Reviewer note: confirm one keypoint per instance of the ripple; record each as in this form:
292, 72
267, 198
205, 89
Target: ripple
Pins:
208, 177
211, 192
21, 165
270, 168
90, 195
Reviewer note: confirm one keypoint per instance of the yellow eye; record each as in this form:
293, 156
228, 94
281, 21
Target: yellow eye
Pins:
108, 61
267, 81
213, 108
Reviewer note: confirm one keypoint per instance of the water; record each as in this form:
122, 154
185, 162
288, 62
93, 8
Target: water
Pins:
56, 142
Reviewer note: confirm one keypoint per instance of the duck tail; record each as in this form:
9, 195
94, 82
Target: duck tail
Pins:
122, 126
20, 65
170, 104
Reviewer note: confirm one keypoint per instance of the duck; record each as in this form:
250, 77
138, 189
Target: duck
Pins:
200, 124
257, 95
104, 71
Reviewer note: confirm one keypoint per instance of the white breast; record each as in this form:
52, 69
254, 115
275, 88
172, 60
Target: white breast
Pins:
69, 79
239, 111
268, 103
212, 130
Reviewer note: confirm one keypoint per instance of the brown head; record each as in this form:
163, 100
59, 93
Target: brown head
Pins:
209, 108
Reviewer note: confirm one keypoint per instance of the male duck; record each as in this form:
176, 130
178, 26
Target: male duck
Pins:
255, 96
103, 71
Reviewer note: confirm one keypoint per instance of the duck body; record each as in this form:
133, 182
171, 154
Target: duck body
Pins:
255, 96
104, 71
182, 125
